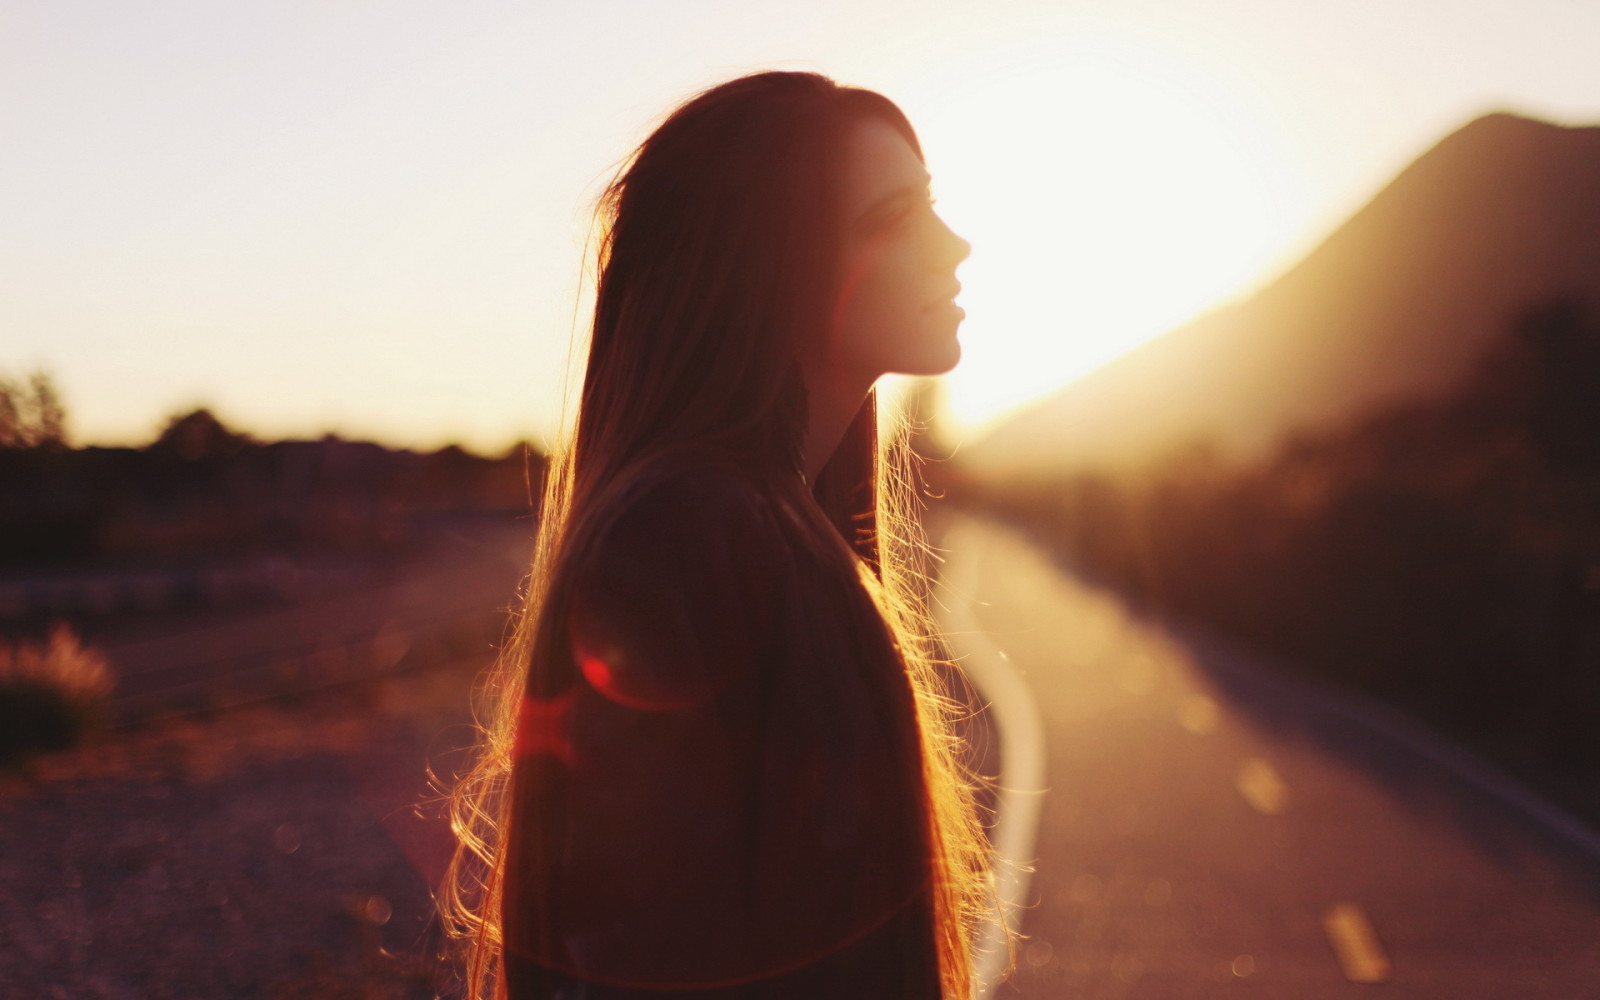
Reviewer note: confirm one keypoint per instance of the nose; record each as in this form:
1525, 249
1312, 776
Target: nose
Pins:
953, 248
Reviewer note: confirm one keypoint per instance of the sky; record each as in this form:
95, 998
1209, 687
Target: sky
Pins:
369, 218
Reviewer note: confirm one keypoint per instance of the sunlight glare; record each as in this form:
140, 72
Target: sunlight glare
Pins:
1112, 189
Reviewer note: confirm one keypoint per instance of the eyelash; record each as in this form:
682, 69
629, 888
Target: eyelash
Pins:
905, 213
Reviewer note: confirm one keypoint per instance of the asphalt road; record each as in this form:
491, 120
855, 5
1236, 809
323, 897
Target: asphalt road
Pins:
1207, 830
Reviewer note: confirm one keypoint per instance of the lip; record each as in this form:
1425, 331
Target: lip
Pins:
948, 299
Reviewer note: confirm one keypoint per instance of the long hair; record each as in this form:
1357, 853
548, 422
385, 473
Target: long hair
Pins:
716, 263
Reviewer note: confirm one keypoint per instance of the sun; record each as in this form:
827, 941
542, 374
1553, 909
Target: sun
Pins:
1111, 190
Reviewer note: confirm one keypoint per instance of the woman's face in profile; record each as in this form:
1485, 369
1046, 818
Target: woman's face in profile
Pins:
896, 311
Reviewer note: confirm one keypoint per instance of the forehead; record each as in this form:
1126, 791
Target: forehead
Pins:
878, 164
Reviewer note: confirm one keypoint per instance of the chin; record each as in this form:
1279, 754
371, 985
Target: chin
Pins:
953, 359
935, 362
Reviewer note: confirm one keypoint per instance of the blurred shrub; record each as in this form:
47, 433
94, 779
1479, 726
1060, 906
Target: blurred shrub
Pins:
51, 696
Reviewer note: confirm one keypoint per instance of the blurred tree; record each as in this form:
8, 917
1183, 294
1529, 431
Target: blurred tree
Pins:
1563, 408
31, 413
199, 435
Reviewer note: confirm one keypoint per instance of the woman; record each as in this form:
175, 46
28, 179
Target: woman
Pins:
720, 763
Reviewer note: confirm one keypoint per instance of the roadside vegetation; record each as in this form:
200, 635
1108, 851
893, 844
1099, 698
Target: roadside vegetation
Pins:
52, 695
1441, 555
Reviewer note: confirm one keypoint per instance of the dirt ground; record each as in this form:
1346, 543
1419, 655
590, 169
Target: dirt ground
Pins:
271, 851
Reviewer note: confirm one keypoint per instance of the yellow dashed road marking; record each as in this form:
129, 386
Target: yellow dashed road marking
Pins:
1356, 943
1260, 785
1198, 714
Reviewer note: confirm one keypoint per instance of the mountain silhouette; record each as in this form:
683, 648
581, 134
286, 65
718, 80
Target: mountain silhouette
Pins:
1399, 303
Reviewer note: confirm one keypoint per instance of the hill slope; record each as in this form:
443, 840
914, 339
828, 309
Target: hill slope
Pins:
1398, 303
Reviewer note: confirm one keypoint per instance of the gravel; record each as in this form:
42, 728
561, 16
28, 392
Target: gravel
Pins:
270, 852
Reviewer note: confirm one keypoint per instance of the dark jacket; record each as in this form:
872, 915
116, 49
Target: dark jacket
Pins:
717, 791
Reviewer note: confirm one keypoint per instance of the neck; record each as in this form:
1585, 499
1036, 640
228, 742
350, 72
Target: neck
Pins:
830, 406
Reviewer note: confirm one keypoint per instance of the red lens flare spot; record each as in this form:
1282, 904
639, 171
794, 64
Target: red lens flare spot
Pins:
598, 673
542, 729
609, 672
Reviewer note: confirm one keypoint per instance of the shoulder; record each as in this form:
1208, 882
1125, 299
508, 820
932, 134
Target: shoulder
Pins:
674, 586
680, 512
691, 489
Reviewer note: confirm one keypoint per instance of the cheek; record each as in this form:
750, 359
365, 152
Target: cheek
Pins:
879, 301
885, 325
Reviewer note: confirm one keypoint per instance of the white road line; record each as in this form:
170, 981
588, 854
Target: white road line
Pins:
1391, 724
1022, 749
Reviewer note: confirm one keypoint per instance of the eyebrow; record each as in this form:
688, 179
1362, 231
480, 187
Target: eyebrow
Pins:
894, 197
